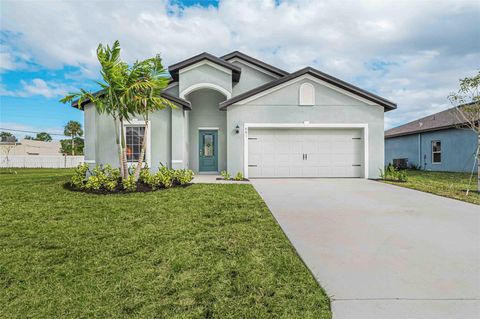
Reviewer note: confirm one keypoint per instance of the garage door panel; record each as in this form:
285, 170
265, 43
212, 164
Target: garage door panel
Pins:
305, 153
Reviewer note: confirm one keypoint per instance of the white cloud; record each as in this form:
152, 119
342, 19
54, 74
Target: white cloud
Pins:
38, 87
427, 45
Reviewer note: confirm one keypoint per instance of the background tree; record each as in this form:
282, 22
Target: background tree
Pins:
73, 129
28, 137
467, 102
7, 137
43, 136
66, 146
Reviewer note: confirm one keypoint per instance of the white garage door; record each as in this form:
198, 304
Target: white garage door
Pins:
305, 153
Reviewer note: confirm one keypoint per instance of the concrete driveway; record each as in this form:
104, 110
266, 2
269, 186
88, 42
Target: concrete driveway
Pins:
382, 251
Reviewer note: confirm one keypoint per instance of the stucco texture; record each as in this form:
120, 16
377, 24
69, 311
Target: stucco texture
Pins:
331, 106
458, 149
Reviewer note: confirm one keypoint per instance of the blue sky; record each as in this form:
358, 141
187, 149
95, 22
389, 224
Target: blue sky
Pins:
413, 57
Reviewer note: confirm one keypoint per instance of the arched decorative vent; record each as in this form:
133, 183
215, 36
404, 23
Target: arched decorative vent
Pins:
306, 95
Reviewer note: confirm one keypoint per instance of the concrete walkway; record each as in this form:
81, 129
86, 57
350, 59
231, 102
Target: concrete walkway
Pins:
382, 251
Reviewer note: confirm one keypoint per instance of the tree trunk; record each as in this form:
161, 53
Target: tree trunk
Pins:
478, 162
124, 151
142, 152
119, 148
73, 146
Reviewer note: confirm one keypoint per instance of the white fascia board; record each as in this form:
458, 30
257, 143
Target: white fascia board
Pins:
298, 79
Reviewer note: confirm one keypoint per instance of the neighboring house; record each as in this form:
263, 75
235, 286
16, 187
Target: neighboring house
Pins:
438, 142
30, 147
239, 114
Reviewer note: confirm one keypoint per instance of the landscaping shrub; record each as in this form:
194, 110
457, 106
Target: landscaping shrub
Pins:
78, 179
225, 175
129, 184
393, 174
183, 176
239, 177
105, 179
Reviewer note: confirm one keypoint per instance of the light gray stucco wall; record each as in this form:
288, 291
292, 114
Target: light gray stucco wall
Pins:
250, 78
458, 149
205, 74
100, 138
205, 113
281, 106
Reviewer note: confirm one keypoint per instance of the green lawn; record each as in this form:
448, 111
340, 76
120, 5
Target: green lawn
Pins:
446, 184
205, 251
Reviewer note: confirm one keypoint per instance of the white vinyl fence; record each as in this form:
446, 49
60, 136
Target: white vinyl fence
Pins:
41, 161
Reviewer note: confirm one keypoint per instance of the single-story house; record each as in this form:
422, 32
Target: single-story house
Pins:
30, 147
239, 114
438, 142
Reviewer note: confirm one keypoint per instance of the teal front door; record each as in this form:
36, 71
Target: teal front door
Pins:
208, 145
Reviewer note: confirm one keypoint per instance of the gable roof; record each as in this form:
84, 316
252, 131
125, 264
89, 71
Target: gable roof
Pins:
177, 100
260, 64
175, 68
388, 105
439, 121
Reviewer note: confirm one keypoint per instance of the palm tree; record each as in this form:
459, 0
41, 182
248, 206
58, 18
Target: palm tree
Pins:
109, 100
73, 129
146, 82
126, 91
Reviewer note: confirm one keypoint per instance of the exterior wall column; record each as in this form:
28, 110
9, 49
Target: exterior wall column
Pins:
178, 139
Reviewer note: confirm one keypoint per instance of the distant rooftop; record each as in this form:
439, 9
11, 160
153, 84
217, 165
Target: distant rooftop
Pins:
439, 121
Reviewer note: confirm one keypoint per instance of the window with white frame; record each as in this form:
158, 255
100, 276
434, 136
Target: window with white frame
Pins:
134, 135
436, 152
306, 94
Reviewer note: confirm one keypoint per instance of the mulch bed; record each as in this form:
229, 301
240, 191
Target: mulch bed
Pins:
232, 180
141, 188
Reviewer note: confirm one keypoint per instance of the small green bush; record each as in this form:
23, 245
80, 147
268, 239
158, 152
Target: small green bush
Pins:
393, 174
103, 178
165, 176
129, 184
183, 176
239, 177
78, 179
225, 175
145, 175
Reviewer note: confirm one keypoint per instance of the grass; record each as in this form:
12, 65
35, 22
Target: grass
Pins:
205, 251
448, 184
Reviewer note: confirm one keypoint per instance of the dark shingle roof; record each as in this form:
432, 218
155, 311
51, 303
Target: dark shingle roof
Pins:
261, 64
439, 121
175, 68
388, 105
179, 101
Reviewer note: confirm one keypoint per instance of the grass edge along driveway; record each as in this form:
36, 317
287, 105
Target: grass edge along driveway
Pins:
447, 184
205, 251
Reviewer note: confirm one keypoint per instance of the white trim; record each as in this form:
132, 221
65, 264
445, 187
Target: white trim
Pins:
306, 94
205, 85
208, 129
177, 161
250, 65
203, 62
305, 124
437, 152
300, 78
148, 152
